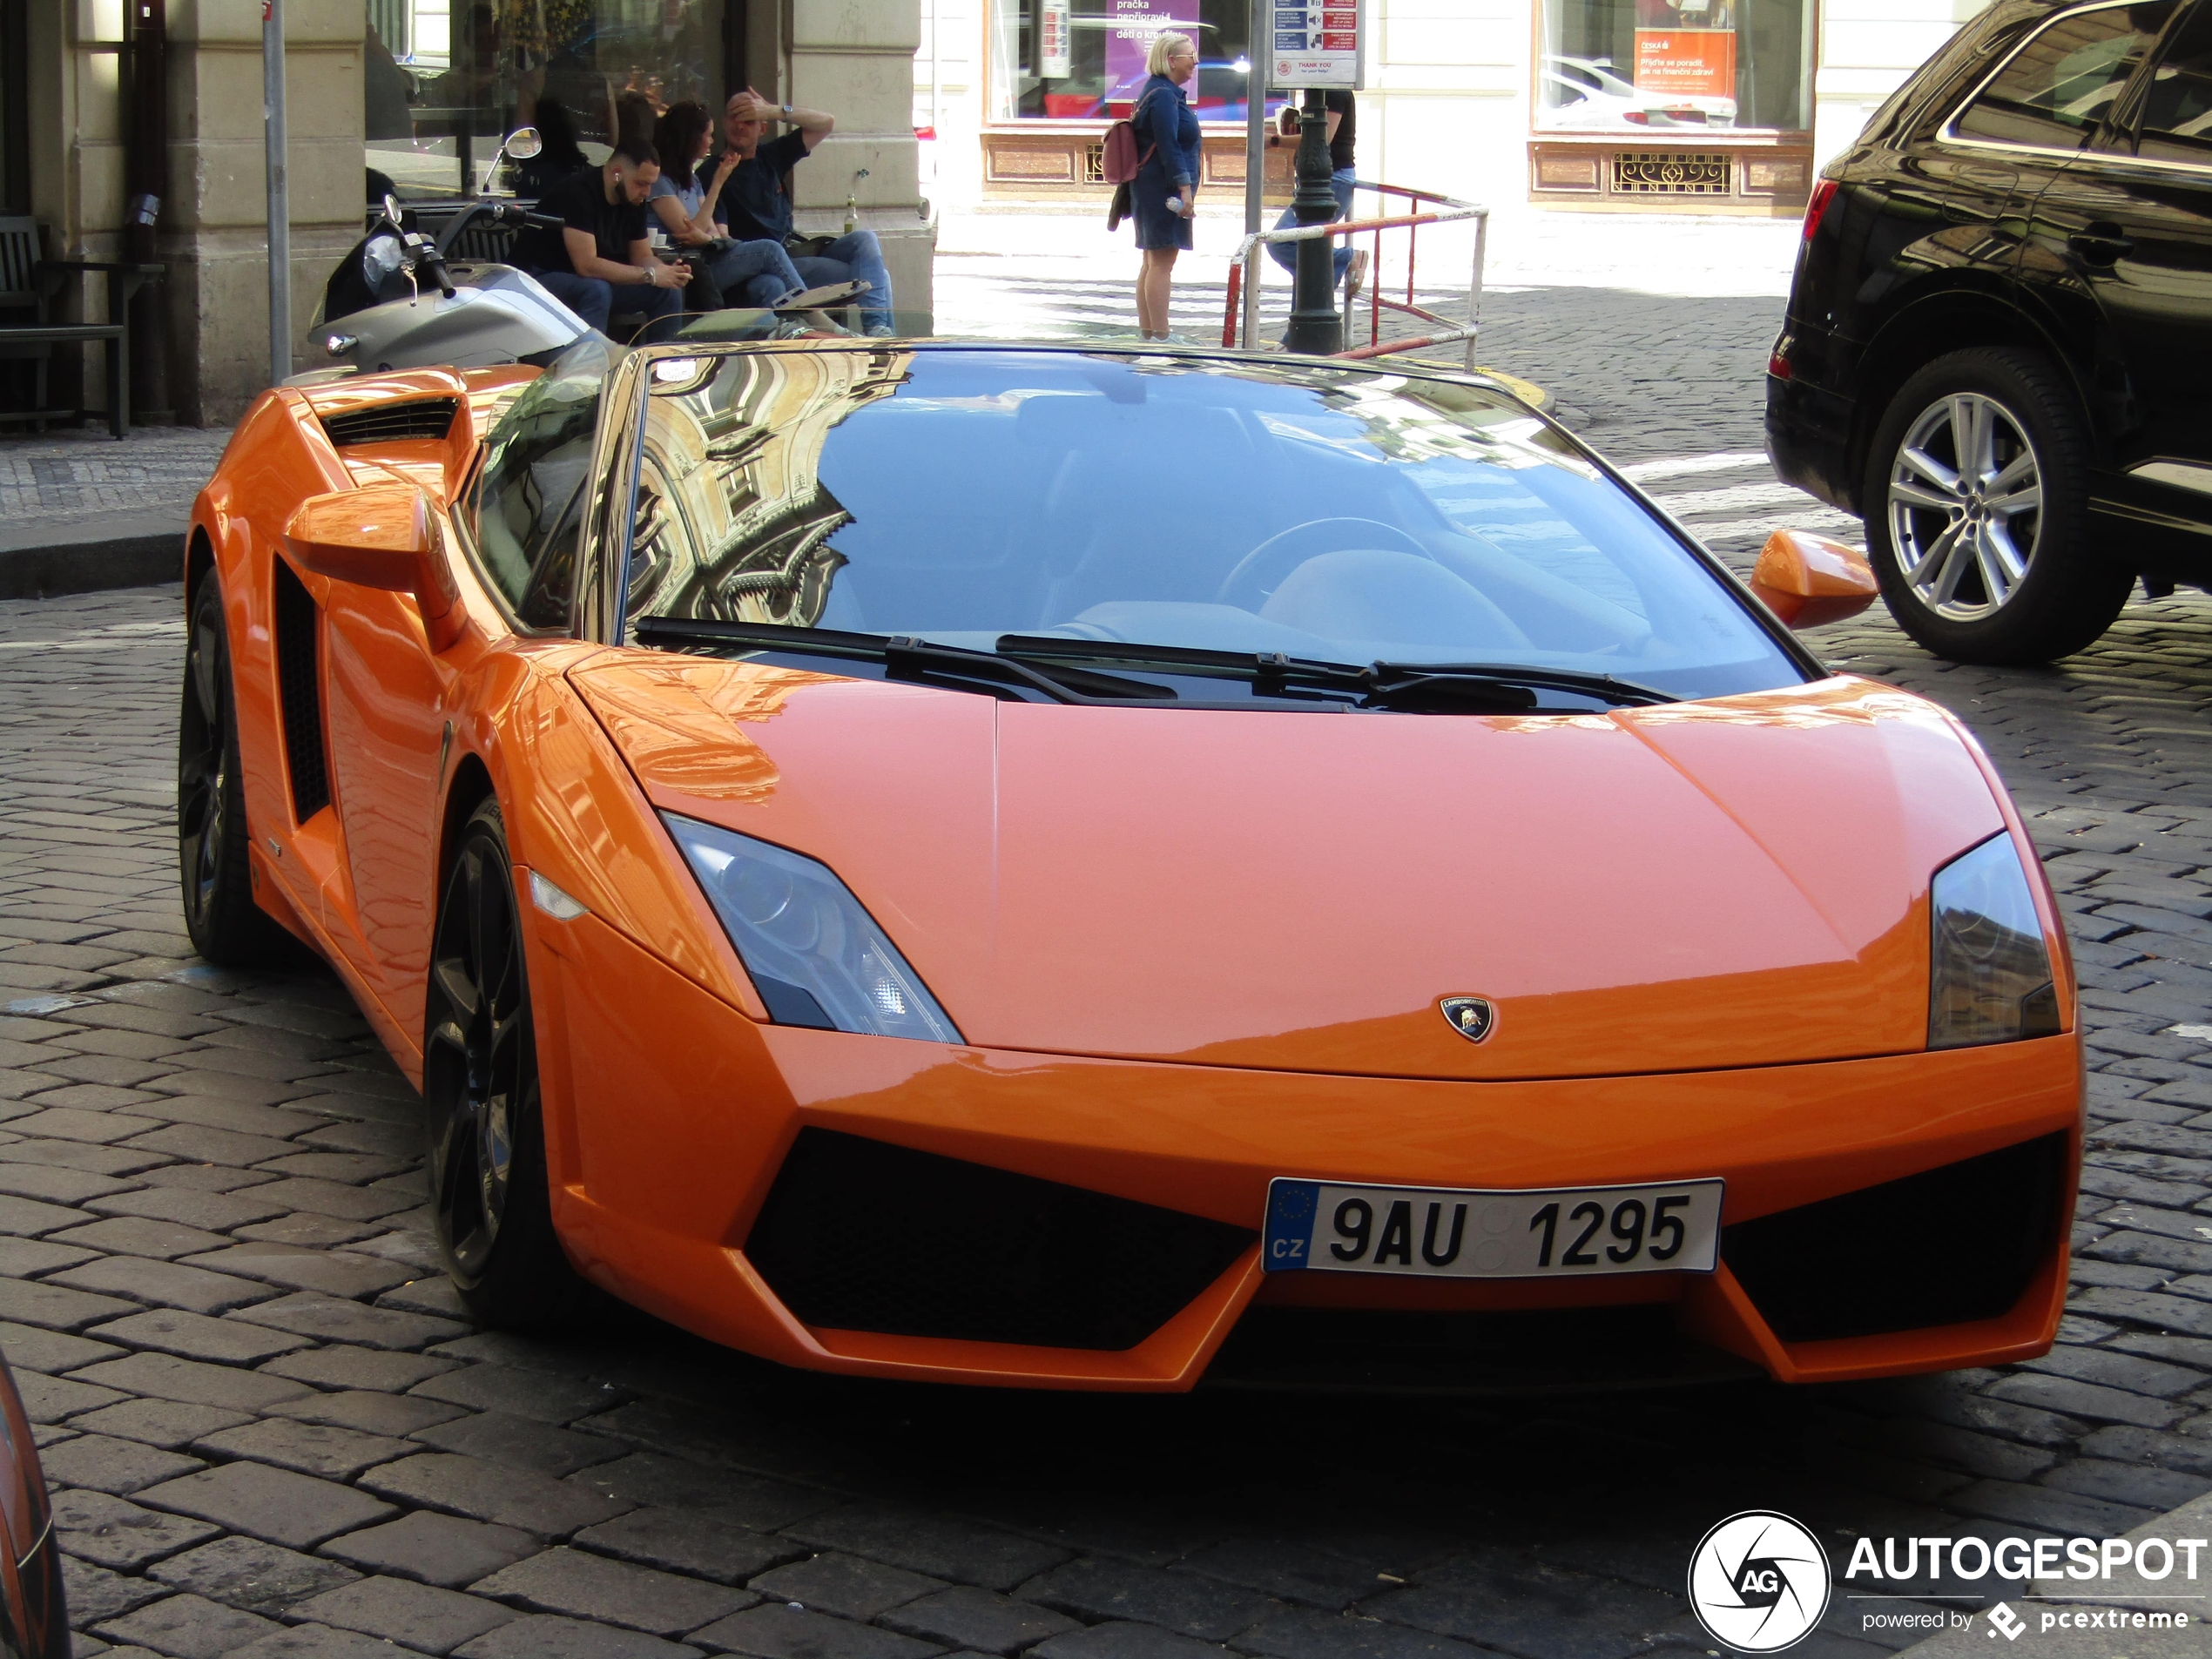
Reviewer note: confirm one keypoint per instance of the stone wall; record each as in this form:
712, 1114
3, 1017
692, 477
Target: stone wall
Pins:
855, 58
214, 224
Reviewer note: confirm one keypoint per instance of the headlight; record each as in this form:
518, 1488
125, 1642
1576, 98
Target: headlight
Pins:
380, 256
1989, 980
816, 957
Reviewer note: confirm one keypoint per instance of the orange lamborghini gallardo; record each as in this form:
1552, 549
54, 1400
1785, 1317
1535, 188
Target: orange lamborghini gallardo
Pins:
1076, 866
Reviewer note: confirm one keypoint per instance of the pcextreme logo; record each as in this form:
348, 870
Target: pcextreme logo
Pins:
1758, 1581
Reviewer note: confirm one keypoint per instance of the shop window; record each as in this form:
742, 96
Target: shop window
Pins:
1653, 68
443, 81
1069, 59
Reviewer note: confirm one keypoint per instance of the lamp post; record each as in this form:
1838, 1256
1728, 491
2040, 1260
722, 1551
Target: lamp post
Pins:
1315, 326
272, 114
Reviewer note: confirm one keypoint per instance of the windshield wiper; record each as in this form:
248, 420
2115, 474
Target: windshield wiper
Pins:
905, 657
1500, 686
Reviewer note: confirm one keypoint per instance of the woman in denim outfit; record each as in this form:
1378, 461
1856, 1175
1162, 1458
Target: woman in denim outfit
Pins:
1165, 123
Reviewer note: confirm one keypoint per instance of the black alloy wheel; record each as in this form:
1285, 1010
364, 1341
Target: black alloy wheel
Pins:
1977, 506
227, 926
479, 1096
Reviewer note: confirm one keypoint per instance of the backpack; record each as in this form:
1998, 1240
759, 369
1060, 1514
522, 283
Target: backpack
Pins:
1120, 162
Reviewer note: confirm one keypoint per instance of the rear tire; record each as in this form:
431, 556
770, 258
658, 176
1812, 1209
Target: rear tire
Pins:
1977, 508
489, 1190
227, 926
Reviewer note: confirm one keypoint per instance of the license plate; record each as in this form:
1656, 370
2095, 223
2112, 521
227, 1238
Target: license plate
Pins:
1516, 1233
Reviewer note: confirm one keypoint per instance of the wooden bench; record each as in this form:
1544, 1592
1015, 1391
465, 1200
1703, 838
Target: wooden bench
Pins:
29, 286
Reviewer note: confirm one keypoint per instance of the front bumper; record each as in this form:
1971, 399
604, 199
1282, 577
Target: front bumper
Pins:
671, 1118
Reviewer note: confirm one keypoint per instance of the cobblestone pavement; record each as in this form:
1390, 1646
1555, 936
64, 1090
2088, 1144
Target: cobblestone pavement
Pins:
84, 470
269, 1433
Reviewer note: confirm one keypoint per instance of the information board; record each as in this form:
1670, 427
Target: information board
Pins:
1052, 40
1317, 43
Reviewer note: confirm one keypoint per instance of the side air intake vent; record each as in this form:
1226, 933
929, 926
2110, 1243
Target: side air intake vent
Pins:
419, 418
862, 1235
1948, 1245
299, 687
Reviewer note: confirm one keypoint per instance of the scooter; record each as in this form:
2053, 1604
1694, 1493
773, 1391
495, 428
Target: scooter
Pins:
374, 315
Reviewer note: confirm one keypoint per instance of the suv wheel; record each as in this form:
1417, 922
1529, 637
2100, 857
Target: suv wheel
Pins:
1977, 504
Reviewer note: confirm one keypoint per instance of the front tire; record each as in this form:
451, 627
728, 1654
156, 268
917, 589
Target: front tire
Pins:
488, 1188
1977, 506
227, 926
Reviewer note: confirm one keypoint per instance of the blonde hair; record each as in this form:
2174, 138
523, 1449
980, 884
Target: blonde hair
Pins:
1165, 45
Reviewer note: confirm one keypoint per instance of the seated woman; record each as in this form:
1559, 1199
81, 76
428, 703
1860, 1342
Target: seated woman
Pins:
756, 273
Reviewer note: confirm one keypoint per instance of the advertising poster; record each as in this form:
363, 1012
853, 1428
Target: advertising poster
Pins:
1132, 25
1686, 48
1052, 40
1694, 62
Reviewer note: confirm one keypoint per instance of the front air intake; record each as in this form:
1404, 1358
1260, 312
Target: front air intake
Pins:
416, 419
859, 1235
1952, 1245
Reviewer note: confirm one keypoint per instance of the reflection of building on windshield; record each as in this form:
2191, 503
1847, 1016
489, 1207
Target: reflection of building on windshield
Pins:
732, 521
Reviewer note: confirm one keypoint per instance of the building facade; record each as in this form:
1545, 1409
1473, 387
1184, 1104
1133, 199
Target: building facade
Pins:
1697, 106
106, 102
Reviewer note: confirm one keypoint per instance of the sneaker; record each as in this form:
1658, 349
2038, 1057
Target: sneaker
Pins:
880, 331
1355, 274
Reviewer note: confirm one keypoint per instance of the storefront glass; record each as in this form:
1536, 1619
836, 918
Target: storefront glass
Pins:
445, 80
1656, 69
1069, 59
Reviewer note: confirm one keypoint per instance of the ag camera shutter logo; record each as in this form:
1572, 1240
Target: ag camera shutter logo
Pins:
1759, 1581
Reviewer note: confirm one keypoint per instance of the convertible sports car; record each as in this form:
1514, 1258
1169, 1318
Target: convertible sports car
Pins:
1088, 868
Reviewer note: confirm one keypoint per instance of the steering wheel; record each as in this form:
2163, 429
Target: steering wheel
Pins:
1261, 571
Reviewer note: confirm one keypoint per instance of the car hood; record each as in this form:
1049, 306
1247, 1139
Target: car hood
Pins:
1734, 883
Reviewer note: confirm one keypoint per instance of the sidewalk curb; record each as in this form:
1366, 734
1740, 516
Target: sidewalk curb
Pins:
2192, 1520
90, 552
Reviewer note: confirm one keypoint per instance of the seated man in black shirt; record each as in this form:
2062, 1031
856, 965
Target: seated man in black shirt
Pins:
601, 243
755, 206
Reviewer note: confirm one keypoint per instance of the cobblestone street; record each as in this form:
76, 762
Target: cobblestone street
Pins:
270, 1432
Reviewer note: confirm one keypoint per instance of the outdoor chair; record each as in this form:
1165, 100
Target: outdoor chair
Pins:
29, 284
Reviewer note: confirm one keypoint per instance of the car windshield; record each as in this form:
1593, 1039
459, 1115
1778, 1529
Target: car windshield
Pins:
1347, 514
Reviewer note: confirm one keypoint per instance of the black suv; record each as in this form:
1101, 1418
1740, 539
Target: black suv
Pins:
1999, 347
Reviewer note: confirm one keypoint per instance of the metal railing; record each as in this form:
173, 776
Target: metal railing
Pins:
1243, 274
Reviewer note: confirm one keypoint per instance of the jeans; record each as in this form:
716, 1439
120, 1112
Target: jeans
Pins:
593, 300
754, 273
1285, 254
855, 254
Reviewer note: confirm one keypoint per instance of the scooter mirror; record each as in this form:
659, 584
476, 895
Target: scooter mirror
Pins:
523, 143
392, 211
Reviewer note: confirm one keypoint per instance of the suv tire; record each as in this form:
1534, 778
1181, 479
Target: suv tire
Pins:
1989, 562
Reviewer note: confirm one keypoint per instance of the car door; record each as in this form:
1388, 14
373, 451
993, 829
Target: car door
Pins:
396, 704
2120, 246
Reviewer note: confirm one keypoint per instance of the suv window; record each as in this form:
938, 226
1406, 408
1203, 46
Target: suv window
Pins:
2054, 90
2177, 111
529, 503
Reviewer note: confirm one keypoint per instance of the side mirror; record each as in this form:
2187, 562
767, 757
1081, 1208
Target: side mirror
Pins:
1809, 580
523, 143
392, 212
382, 535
